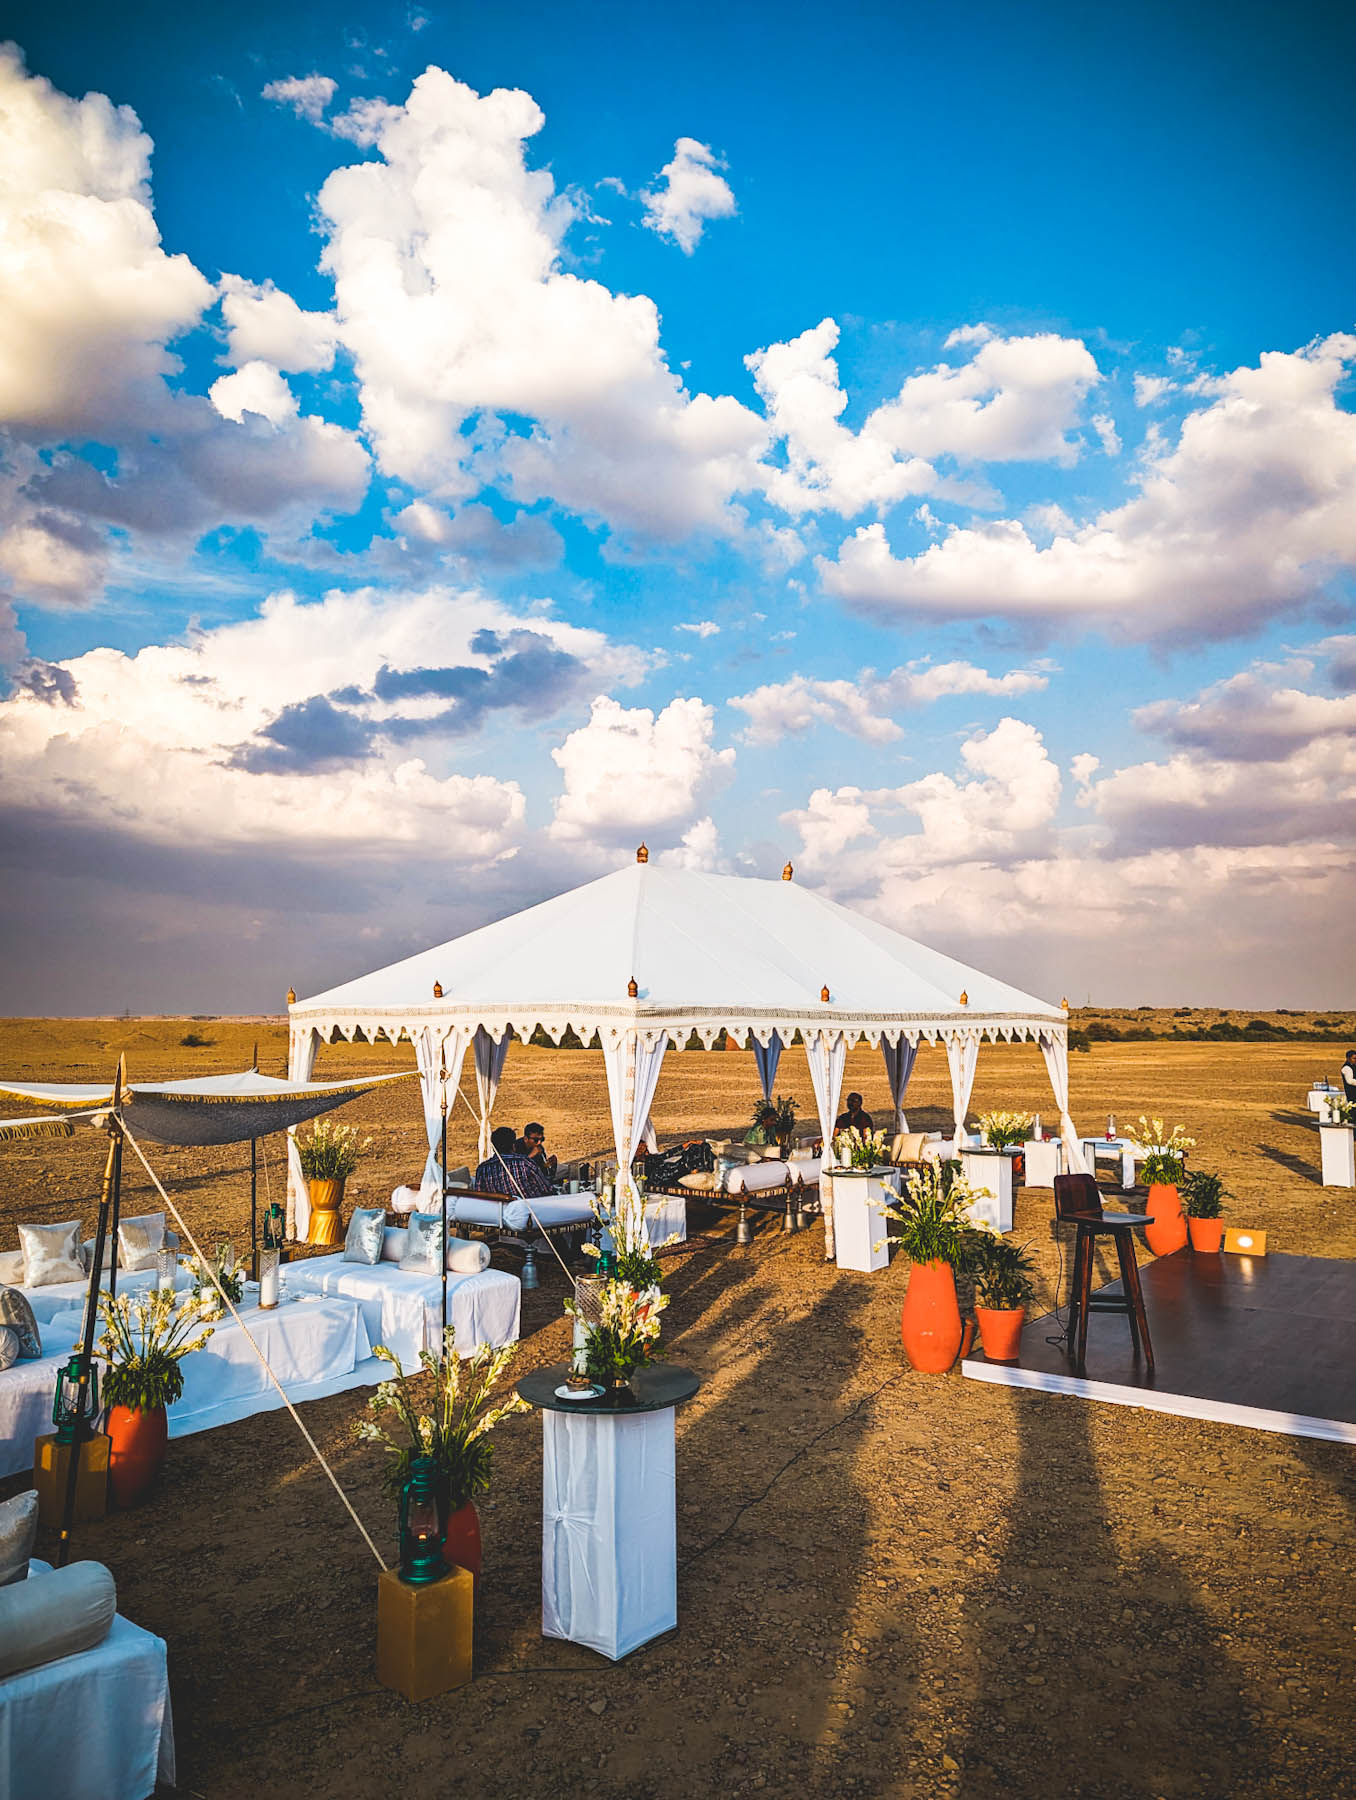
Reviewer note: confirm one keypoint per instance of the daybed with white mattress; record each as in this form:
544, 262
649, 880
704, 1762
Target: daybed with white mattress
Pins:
403, 1309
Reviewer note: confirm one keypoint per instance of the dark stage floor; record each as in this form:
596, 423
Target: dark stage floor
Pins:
1263, 1341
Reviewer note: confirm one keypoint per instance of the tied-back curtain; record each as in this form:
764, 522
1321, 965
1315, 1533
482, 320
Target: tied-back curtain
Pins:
766, 1061
962, 1054
302, 1044
632, 1077
489, 1067
439, 1054
826, 1053
899, 1060
1055, 1050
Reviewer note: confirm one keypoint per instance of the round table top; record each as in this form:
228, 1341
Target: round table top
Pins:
661, 1385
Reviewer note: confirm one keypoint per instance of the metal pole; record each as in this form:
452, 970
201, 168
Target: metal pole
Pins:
442, 1182
254, 1209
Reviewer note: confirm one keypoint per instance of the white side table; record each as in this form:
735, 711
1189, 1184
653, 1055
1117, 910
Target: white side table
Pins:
1127, 1153
1320, 1096
609, 1543
1339, 1155
992, 1170
1044, 1160
861, 1240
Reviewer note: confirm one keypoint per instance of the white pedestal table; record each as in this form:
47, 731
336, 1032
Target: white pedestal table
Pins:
609, 1542
1044, 1160
861, 1238
992, 1170
1339, 1155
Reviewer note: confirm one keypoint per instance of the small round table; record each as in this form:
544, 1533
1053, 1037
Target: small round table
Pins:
609, 1544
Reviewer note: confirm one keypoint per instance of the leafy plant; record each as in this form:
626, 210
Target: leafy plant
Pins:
143, 1339
638, 1269
331, 1152
214, 1275
1003, 1129
931, 1213
1203, 1194
624, 1337
778, 1117
1002, 1272
454, 1431
860, 1149
1167, 1152
1164, 1166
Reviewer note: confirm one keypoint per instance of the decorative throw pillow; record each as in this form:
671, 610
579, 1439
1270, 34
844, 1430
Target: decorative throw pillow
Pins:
424, 1245
12, 1268
9, 1346
51, 1253
365, 1233
18, 1315
394, 1241
18, 1534
140, 1241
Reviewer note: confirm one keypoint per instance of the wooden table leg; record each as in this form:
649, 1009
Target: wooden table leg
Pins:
1084, 1294
1135, 1295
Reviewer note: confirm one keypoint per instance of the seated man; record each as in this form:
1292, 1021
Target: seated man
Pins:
532, 1145
506, 1172
856, 1116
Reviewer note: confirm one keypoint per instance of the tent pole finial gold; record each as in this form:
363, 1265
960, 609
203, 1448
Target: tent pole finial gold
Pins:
643, 853
633, 988
787, 872
291, 996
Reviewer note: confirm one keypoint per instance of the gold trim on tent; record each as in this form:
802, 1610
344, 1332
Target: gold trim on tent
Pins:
12, 1130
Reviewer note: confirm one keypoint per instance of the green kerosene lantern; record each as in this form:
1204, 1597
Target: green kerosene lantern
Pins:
67, 1413
421, 1550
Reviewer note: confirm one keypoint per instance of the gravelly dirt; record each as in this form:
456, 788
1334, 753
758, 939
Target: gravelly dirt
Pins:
890, 1583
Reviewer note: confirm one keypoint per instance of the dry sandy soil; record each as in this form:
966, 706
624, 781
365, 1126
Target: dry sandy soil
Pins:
889, 1583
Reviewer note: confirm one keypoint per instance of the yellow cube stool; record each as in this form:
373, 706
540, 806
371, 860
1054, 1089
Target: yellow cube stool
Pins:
424, 1633
51, 1464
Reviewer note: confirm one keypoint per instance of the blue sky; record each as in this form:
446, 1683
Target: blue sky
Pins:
917, 444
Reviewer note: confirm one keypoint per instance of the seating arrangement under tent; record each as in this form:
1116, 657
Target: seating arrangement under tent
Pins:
650, 959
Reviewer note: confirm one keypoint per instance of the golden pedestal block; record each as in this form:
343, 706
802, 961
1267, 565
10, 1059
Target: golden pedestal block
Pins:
424, 1634
51, 1463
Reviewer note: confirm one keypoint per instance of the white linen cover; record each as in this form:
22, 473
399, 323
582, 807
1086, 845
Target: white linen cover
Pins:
69, 1296
403, 1311
861, 1241
1044, 1160
609, 1545
26, 1394
118, 1693
305, 1341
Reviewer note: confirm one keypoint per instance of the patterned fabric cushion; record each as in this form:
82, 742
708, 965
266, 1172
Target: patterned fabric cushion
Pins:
51, 1253
365, 1233
9, 1346
18, 1315
18, 1534
424, 1245
140, 1241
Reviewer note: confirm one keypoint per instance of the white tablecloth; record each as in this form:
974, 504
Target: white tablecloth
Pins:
308, 1342
403, 1310
1044, 1160
1124, 1152
96, 1726
65, 1296
27, 1390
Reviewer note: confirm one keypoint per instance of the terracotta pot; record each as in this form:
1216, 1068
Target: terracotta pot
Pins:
930, 1321
1000, 1331
967, 1337
1207, 1235
327, 1226
137, 1442
1168, 1230
461, 1539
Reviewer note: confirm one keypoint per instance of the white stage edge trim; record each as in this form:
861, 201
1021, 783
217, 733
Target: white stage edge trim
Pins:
1182, 1406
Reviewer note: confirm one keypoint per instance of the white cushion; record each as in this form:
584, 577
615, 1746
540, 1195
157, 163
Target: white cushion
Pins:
51, 1253
18, 1534
366, 1238
424, 1242
140, 1241
16, 1312
393, 1242
459, 1177
11, 1268
700, 1181
9, 1347
754, 1177
54, 1614
467, 1256
404, 1199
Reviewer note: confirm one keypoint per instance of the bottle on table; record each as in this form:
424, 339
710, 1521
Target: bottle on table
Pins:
1111, 1128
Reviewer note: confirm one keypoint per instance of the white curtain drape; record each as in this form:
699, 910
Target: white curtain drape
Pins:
962, 1054
302, 1043
439, 1052
767, 1061
632, 1077
826, 1053
1055, 1050
899, 1060
489, 1067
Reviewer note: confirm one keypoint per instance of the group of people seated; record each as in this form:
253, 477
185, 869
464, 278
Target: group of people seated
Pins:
517, 1167
764, 1128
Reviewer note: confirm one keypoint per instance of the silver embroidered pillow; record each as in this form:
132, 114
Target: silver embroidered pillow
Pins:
9, 1346
424, 1244
140, 1241
18, 1315
51, 1253
12, 1268
18, 1534
365, 1231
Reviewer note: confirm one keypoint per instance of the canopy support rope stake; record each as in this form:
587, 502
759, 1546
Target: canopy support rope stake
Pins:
229, 1304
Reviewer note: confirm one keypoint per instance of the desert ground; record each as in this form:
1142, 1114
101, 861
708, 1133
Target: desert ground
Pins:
890, 1584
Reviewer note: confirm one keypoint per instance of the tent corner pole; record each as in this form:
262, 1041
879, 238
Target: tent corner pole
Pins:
442, 1184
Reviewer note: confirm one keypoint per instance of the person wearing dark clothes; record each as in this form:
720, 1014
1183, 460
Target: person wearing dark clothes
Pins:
856, 1116
508, 1173
1349, 1075
532, 1145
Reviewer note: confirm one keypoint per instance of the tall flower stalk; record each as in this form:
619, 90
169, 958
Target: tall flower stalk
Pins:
144, 1338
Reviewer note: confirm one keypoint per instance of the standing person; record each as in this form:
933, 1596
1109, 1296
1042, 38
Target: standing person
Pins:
856, 1116
532, 1145
505, 1172
1349, 1075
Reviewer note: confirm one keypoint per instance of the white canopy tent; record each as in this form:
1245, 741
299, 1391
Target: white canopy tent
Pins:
648, 956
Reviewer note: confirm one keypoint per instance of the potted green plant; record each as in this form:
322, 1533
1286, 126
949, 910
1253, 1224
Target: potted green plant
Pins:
1003, 1291
144, 1338
1161, 1171
854, 1149
784, 1111
452, 1426
1203, 1196
936, 1237
1005, 1130
328, 1157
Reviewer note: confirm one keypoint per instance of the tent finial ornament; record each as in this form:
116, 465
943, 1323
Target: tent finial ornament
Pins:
633, 988
437, 990
787, 872
824, 995
1065, 1003
291, 996
965, 998
643, 853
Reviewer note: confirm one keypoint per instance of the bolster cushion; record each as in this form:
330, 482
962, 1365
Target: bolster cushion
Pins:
53, 1614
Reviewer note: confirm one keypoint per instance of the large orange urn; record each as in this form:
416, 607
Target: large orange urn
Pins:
930, 1321
461, 1540
1167, 1227
137, 1442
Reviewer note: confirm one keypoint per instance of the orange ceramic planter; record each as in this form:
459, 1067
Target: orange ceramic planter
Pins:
930, 1322
136, 1449
461, 1540
1167, 1229
1000, 1331
1207, 1235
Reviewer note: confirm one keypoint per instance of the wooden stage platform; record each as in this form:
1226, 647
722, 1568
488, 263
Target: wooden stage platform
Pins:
1263, 1341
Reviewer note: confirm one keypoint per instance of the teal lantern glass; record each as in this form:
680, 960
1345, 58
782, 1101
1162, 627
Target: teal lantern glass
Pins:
68, 1415
421, 1549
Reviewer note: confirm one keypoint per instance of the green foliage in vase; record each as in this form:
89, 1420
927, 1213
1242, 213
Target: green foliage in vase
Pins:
1203, 1194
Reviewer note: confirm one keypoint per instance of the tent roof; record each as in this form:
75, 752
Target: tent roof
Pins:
700, 947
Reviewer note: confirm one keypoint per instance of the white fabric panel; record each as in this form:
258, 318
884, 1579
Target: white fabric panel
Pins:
665, 1218
404, 1311
302, 1044
609, 1553
632, 1076
899, 1060
1044, 1160
304, 1340
27, 1390
826, 1053
962, 1055
489, 1058
440, 1053
95, 1726
990, 1172
1055, 1050
767, 1060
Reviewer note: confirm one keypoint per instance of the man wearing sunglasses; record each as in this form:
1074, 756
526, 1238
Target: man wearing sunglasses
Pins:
532, 1145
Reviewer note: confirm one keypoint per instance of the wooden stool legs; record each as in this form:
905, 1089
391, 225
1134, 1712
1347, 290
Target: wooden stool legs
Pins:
1081, 1303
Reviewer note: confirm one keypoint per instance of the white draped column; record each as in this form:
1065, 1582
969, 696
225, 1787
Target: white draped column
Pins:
962, 1054
489, 1067
1055, 1050
826, 1053
766, 1060
302, 1043
899, 1060
632, 1076
439, 1051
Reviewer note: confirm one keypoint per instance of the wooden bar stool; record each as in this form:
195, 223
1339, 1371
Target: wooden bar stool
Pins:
1078, 1202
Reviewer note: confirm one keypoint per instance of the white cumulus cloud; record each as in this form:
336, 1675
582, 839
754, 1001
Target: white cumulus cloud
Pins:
631, 773
867, 707
688, 191
307, 95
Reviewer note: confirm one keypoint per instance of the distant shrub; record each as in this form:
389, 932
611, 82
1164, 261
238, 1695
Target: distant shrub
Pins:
191, 1041
1223, 1028
1078, 1038
1263, 1028
1183, 1012
1099, 1032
